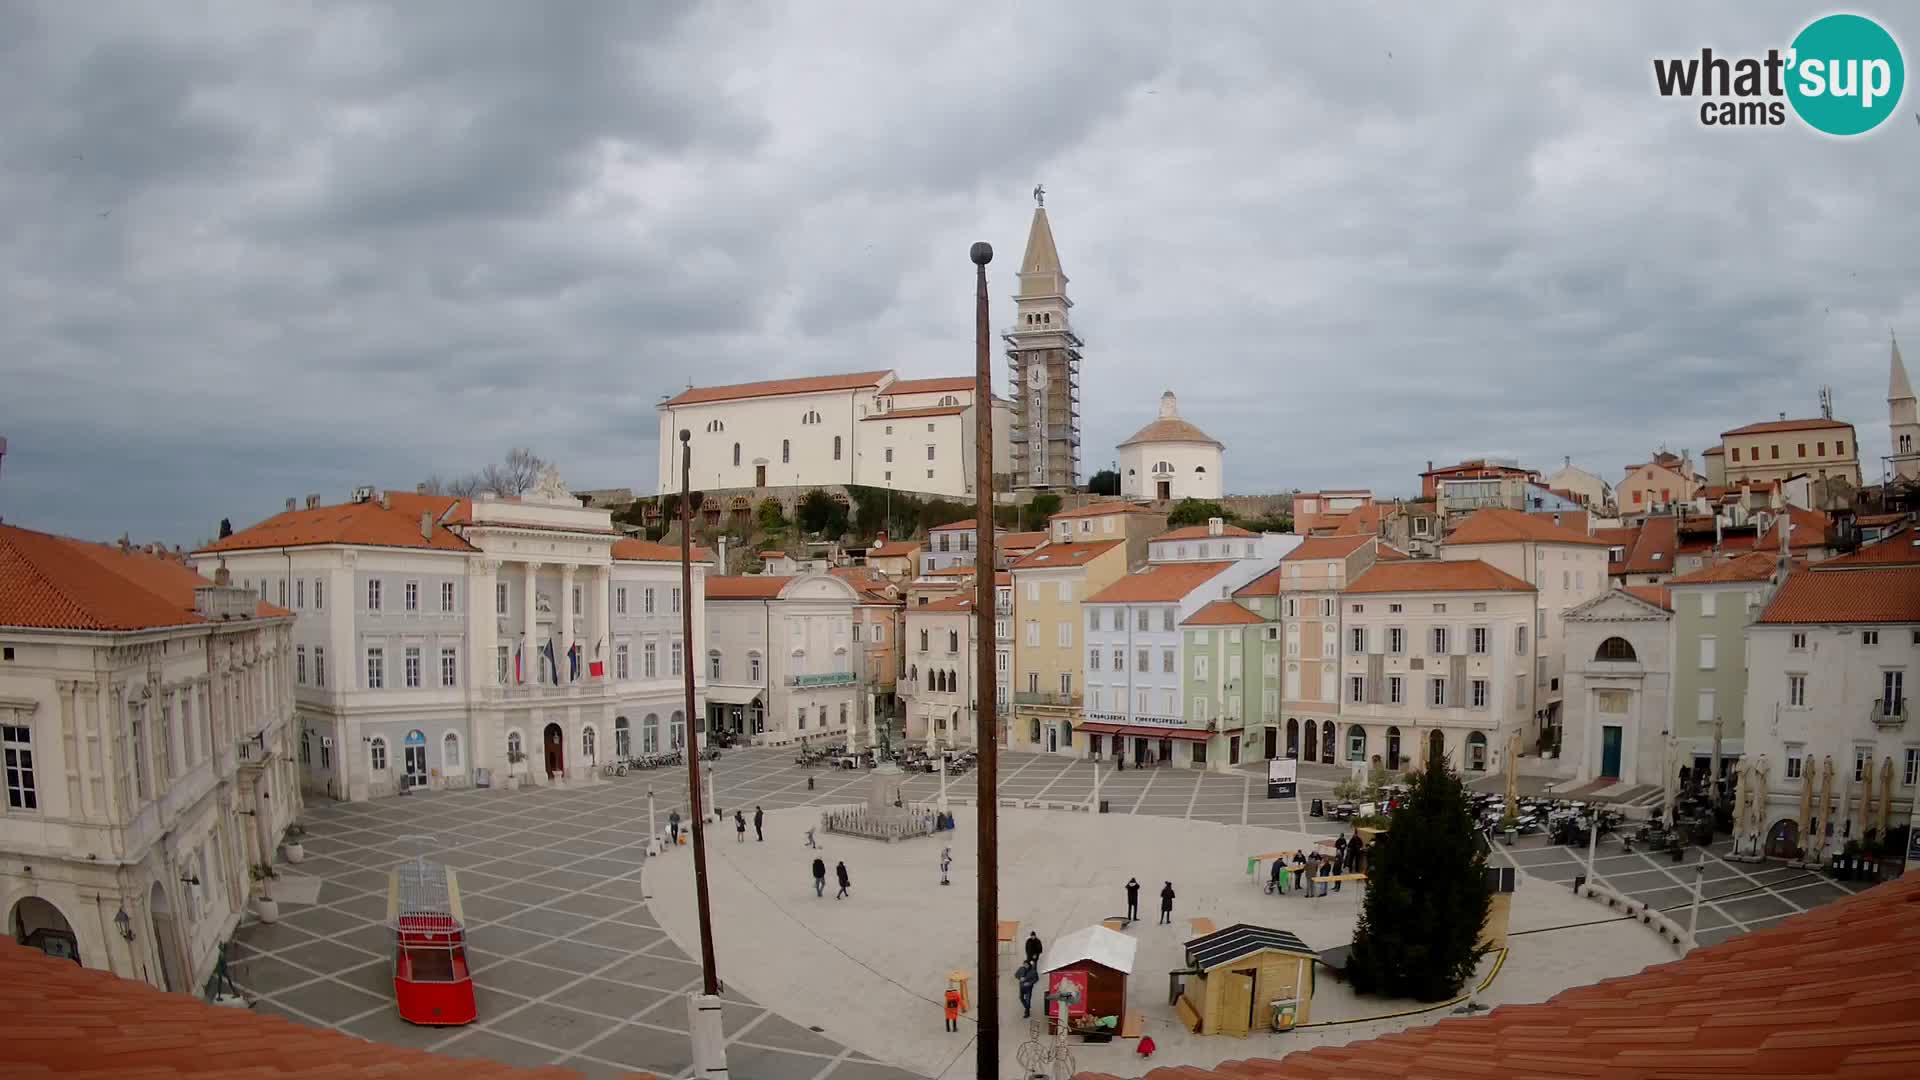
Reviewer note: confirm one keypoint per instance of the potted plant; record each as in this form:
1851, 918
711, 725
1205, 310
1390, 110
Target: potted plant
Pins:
296, 851
264, 906
514, 757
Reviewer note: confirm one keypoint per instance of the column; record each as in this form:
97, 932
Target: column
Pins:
483, 629
602, 646
529, 624
563, 651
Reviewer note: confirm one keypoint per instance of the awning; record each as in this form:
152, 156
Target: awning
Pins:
1101, 729
733, 695
1145, 731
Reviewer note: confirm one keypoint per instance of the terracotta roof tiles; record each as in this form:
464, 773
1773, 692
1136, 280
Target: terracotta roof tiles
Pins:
1752, 566
1888, 594
1809, 530
746, 586
1498, 526
1021, 541
1652, 594
1202, 532
911, 414
948, 604
1054, 556
362, 524
952, 385
1221, 613
1434, 575
1159, 583
1826, 994
1786, 425
1653, 550
896, 549
1898, 548
50, 582
1172, 429
818, 384
1326, 547
1103, 508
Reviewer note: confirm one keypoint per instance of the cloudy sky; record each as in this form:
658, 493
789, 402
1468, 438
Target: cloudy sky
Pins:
261, 250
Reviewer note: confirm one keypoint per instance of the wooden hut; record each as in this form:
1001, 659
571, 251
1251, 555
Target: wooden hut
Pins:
1234, 976
1096, 961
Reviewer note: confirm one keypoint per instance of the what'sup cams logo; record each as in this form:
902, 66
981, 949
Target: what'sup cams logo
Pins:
1843, 75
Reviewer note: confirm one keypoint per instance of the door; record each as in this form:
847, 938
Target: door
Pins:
416, 758
1233, 750
760, 476
1326, 742
556, 751
1165, 490
1053, 738
1139, 751
1273, 739
1393, 749
1436, 746
1313, 741
1293, 739
1892, 692
1610, 751
1236, 1006
166, 939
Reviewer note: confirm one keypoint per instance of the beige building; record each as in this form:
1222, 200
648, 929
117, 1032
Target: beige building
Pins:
1049, 587
1666, 481
1131, 523
898, 559
1822, 447
938, 691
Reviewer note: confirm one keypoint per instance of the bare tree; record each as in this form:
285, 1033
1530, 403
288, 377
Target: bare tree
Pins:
460, 487
515, 476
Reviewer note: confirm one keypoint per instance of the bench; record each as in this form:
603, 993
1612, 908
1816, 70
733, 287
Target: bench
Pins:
1189, 1016
1133, 1024
1202, 926
1115, 923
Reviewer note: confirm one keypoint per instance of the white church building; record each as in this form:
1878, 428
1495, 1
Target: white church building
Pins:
1171, 459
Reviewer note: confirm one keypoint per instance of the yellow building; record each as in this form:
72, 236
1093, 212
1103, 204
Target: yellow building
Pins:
1048, 588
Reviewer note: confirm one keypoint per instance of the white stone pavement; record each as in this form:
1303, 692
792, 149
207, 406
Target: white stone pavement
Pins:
869, 971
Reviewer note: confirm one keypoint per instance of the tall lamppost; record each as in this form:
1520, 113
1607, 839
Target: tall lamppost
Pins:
703, 1009
987, 1051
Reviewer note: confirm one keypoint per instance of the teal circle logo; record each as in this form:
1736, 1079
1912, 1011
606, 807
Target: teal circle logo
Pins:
1845, 74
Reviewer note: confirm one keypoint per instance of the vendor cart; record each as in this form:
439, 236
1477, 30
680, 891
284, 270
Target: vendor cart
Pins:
431, 980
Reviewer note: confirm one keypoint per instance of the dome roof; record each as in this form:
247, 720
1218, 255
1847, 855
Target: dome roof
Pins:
1170, 428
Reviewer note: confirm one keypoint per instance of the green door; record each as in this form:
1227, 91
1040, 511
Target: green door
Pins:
1610, 751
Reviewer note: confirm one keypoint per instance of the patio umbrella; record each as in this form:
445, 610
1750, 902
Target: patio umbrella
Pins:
1826, 802
1757, 806
1513, 774
1806, 808
1671, 784
1886, 793
1866, 798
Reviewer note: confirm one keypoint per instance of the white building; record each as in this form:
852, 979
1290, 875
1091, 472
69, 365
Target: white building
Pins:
1218, 540
1171, 459
435, 638
144, 719
1592, 491
781, 649
941, 662
869, 428
1827, 663
1437, 660
1903, 422
1619, 686
949, 546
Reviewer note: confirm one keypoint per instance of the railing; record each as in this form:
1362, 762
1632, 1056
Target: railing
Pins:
1046, 697
831, 678
1889, 715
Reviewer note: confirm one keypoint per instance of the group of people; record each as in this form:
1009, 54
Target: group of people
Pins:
1306, 871
839, 872
740, 825
1133, 901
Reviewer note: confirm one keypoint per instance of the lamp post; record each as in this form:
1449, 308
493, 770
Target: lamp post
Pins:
703, 1009
987, 907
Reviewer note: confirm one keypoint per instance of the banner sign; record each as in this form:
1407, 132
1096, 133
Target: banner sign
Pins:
1282, 778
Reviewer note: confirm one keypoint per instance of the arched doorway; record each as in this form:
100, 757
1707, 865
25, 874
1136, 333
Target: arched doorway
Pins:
1393, 749
1783, 840
37, 924
1356, 743
1326, 743
1293, 738
166, 939
555, 744
1436, 745
1313, 743
1477, 752
677, 729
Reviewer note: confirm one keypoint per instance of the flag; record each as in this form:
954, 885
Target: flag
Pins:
573, 662
597, 669
517, 677
553, 665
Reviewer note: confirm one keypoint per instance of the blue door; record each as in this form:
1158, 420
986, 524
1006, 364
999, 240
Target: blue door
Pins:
1610, 752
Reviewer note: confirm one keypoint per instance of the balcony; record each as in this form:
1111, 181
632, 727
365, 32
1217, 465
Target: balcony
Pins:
831, 678
1888, 715
1046, 699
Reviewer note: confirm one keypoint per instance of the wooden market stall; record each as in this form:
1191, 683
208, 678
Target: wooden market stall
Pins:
1095, 961
1246, 978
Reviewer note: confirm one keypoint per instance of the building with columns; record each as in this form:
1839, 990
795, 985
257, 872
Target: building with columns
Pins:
144, 720
441, 641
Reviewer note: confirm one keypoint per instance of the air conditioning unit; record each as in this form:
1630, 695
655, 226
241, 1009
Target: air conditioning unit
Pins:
363, 493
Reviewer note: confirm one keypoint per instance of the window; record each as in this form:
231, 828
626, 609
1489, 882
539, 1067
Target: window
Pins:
1119, 660
1356, 689
500, 664
1795, 756
1141, 619
1200, 667
1396, 640
1707, 605
1479, 641
1479, 693
1736, 457
1093, 659
953, 640
412, 660
1033, 632
1840, 447
1479, 605
1439, 688
1616, 648
1893, 692
1798, 640
622, 661
16, 744
1707, 653
753, 663
1439, 609
450, 751
786, 451
283, 592
1326, 607
1440, 641
1396, 690
373, 594
1359, 639
1862, 761
1063, 590
499, 598
1093, 619
377, 754
300, 593
889, 455
1707, 711
620, 600
673, 601
1066, 682
449, 666
836, 448
1143, 660
376, 668
649, 661
929, 452
1394, 609
1797, 691
300, 664
411, 592
319, 665
713, 664
1869, 637
1166, 661
1033, 683
576, 600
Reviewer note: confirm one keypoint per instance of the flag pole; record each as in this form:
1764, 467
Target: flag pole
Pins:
987, 730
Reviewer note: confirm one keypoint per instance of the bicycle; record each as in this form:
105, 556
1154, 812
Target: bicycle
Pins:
616, 767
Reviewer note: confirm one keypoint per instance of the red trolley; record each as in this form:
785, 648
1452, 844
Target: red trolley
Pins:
431, 981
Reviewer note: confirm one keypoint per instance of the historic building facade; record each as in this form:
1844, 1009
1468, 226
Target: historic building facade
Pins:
1171, 459
1043, 367
781, 650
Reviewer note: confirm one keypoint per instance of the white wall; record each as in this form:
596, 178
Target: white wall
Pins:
1195, 472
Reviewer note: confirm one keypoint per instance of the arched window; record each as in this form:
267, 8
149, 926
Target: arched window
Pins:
587, 741
306, 747
949, 401
650, 734
1615, 648
622, 737
677, 730
753, 667
515, 746
836, 448
715, 425
377, 754
923, 639
736, 455
713, 663
1066, 732
1199, 468
913, 673
1477, 752
1036, 732
450, 751
953, 641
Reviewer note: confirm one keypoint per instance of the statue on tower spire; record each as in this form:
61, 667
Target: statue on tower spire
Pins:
1040, 195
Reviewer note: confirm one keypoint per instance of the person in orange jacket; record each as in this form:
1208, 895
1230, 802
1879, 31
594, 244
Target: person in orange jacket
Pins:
953, 1010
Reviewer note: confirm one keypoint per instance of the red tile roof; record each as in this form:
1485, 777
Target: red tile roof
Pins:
818, 384
1497, 526
949, 604
1267, 584
1434, 575
1827, 994
1652, 594
952, 526
50, 582
1201, 532
1326, 547
1618, 537
896, 549
1786, 425
1879, 595
58, 1019
1389, 553
1021, 541
1159, 583
1652, 552
1055, 555
931, 386
1712, 451
1809, 530
1568, 519
1898, 548
1752, 566
746, 586
631, 550
1221, 613
909, 414
1362, 520
365, 524
1103, 508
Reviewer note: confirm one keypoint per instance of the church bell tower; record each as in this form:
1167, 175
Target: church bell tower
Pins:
1902, 423
1043, 361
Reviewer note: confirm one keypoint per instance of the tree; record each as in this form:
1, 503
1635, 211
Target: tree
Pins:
226, 528
1044, 505
514, 476
1104, 482
821, 514
1427, 896
937, 512
771, 515
1274, 523
1196, 512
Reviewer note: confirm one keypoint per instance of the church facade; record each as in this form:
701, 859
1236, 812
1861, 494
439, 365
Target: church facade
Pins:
1170, 459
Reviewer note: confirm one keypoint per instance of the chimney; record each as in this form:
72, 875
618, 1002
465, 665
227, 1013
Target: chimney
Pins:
1783, 416
124, 545
313, 502
385, 503
420, 488
426, 524
1567, 460
1717, 519
723, 556
292, 502
1216, 526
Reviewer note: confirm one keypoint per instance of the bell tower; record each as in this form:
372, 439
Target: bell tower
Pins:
1902, 423
1043, 361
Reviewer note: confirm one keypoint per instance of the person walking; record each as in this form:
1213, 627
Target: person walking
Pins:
673, 827
1133, 899
1166, 904
946, 861
759, 818
810, 841
846, 882
953, 1009
1034, 948
739, 827
819, 876
1028, 977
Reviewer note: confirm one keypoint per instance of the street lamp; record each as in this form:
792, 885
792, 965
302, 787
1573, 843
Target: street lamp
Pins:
123, 924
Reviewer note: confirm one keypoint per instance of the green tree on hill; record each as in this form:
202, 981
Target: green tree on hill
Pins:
1104, 482
1427, 896
1196, 512
1044, 505
821, 514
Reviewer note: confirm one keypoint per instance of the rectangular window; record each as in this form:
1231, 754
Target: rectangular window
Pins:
649, 661
1862, 761
673, 601
1910, 774
1798, 640
1166, 661
1707, 605
713, 666
1065, 592
1093, 619
1869, 637
646, 601
1736, 457
1201, 711
1356, 689
1200, 667
1820, 447
1801, 449
446, 596
1142, 619
1166, 619
299, 593
1708, 653
412, 660
16, 746
1795, 755
1033, 682
373, 594
623, 661
1063, 635
1143, 661
1292, 608
1797, 691
1706, 708
620, 600
449, 666
1066, 683
1840, 447
500, 598
1396, 640
319, 665
1892, 692
1033, 633
1093, 659
283, 591
1440, 641
1479, 693
412, 596
1520, 640
300, 664
1358, 639
1396, 690
376, 669
1439, 687
500, 660
1480, 641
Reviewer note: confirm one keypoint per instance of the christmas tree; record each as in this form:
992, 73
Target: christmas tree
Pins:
1427, 896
